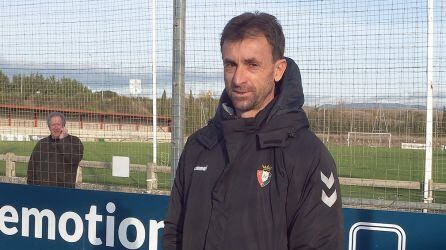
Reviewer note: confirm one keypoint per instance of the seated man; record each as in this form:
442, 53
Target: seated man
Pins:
55, 159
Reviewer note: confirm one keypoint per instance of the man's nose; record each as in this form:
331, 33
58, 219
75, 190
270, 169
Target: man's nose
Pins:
239, 76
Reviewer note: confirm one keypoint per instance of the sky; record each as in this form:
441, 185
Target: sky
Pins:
348, 51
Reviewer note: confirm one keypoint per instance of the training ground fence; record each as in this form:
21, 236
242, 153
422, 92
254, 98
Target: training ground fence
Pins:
136, 78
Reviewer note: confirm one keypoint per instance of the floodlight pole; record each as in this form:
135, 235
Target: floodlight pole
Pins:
427, 192
154, 112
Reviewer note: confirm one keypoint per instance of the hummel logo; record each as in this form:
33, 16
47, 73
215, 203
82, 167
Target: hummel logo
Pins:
328, 181
200, 168
329, 200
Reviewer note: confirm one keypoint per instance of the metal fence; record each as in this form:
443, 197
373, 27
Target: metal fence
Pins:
365, 69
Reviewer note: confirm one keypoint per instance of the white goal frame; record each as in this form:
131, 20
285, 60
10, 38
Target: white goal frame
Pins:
352, 135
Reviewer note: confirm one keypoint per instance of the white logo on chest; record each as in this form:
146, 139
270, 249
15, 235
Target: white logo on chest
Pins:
201, 168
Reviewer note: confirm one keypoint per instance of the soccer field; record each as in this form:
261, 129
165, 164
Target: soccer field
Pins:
354, 162
387, 163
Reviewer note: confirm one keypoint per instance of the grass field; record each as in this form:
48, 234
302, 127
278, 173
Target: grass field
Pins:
388, 164
356, 162
139, 153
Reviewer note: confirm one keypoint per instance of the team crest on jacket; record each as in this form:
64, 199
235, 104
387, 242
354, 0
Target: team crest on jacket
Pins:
264, 175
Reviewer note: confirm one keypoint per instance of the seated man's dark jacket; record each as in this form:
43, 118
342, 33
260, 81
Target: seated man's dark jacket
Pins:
54, 162
260, 183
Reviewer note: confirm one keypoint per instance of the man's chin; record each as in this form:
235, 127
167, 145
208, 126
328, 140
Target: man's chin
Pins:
243, 106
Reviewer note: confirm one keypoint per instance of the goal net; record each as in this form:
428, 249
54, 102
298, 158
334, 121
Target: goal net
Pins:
369, 139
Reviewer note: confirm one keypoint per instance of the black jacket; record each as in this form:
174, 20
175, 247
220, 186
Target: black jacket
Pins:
260, 183
54, 162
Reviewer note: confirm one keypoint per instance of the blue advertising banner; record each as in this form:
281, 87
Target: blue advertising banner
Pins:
373, 229
35, 217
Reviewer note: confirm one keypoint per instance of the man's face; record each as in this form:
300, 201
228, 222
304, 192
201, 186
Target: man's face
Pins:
56, 126
250, 74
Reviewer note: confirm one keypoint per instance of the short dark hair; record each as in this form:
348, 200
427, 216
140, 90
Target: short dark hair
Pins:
254, 24
53, 114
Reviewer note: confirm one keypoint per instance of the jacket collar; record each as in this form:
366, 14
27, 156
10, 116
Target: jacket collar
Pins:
275, 123
209, 136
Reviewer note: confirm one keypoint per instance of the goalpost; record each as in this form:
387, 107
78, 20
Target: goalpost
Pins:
369, 139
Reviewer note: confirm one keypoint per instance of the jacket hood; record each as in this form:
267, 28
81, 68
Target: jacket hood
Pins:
289, 99
289, 91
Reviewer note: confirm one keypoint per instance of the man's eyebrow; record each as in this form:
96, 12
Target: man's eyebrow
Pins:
227, 60
251, 60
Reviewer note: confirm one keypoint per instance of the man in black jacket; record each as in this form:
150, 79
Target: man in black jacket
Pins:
255, 177
55, 159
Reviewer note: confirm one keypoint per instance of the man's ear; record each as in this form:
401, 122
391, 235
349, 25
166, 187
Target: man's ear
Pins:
279, 69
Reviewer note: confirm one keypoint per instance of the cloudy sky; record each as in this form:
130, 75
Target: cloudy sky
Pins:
349, 51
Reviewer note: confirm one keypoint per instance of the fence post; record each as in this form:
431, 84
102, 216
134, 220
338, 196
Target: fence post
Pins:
152, 182
79, 175
10, 165
178, 75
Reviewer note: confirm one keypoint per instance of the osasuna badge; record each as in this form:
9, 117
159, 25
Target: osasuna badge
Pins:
264, 175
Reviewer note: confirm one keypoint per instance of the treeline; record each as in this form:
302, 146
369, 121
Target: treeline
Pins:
402, 122
38, 90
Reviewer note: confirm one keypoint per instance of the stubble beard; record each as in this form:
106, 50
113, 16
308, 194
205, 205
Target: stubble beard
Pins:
244, 104
253, 101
